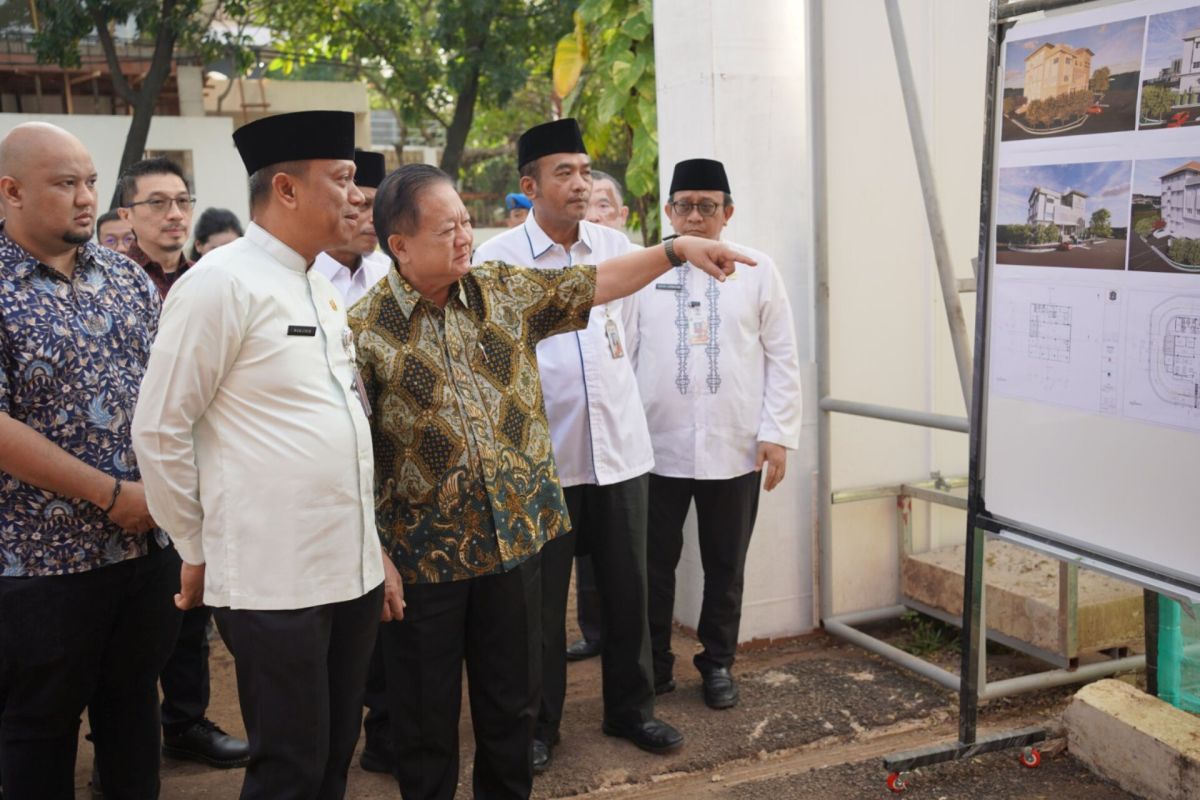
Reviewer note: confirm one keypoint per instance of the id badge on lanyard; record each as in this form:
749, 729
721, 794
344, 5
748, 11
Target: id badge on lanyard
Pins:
613, 335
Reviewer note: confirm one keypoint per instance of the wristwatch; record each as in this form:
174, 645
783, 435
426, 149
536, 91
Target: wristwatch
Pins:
669, 246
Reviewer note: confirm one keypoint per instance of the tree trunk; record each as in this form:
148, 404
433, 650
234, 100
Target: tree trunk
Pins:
460, 125
145, 98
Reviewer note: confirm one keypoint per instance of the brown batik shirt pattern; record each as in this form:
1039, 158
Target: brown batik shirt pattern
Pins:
465, 482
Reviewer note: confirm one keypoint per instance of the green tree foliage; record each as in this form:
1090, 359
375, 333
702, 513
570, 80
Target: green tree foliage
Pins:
1100, 80
1156, 102
1185, 251
1145, 226
169, 25
428, 61
1047, 234
1012, 102
1101, 224
1058, 110
1016, 235
604, 70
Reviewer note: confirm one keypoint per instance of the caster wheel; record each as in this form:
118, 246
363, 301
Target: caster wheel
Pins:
896, 782
1031, 757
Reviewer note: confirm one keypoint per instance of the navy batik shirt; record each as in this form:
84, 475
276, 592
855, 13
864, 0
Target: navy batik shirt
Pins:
72, 354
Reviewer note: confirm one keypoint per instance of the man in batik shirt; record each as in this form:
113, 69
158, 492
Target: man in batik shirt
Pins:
86, 611
466, 490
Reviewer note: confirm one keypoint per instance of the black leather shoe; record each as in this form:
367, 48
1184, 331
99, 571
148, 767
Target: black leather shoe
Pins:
654, 736
720, 689
664, 686
583, 650
208, 744
541, 756
375, 761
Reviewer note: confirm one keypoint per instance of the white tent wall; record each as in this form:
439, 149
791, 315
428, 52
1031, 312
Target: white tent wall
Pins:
736, 82
889, 341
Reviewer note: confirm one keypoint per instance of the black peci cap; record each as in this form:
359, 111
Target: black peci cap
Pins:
559, 136
369, 168
299, 136
700, 174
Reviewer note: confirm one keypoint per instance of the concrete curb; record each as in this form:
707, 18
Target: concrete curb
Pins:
1142, 744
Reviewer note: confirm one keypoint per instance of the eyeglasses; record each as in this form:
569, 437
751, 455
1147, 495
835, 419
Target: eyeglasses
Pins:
112, 241
161, 205
706, 207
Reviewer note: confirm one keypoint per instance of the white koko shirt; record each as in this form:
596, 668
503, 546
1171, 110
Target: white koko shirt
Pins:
717, 368
597, 426
253, 446
353, 285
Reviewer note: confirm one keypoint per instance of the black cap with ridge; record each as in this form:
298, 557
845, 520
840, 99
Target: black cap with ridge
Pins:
559, 136
299, 136
369, 168
699, 174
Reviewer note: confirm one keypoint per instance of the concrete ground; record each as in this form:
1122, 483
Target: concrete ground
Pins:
816, 718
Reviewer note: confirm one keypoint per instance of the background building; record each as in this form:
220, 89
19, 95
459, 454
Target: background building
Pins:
1055, 69
1065, 210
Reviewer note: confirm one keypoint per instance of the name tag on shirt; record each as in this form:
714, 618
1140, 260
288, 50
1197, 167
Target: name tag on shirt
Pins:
697, 325
669, 287
302, 330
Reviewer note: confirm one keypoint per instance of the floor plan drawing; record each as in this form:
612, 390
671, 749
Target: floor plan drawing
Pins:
1048, 343
1050, 332
1164, 386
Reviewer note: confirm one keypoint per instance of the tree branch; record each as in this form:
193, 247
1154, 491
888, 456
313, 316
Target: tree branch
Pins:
120, 83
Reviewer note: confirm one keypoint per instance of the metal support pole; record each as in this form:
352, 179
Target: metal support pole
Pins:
925, 419
933, 212
974, 633
824, 498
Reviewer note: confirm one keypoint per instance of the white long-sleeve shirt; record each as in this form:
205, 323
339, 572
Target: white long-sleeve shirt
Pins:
597, 425
717, 368
253, 445
353, 285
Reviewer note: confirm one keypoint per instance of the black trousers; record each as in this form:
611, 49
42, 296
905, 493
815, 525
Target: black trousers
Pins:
300, 677
587, 599
493, 624
725, 514
376, 723
610, 526
185, 676
94, 639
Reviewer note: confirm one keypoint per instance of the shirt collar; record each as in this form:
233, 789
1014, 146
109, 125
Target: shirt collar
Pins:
276, 248
88, 256
145, 261
540, 241
408, 297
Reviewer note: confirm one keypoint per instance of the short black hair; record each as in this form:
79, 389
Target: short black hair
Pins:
529, 169
260, 180
212, 222
217, 220
148, 166
107, 216
599, 175
396, 201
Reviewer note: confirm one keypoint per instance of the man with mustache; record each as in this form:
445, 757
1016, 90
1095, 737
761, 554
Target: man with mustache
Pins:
157, 202
353, 270
252, 431
719, 375
359, 265
601, 448
86, 577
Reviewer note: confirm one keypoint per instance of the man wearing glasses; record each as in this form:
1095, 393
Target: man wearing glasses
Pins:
157, 202
720, 379
114, 233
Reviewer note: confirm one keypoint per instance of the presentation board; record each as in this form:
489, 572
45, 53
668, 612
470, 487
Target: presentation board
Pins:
1091, 419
